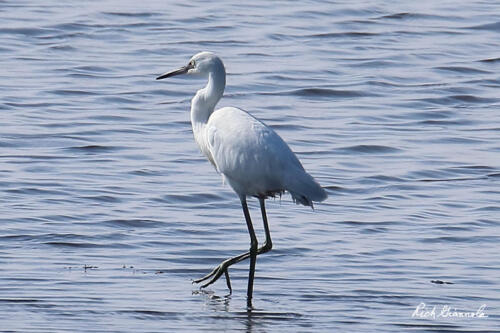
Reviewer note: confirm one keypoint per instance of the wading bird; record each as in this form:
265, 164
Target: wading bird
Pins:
251, 157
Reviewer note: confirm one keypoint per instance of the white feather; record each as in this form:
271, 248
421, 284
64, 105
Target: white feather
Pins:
253, 159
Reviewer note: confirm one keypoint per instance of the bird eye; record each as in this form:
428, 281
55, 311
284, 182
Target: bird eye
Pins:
191, 63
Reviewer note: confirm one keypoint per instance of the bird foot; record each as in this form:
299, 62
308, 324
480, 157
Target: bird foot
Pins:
223, 267
215, 274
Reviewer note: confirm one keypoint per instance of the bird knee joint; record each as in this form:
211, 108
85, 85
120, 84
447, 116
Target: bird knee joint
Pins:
254, 246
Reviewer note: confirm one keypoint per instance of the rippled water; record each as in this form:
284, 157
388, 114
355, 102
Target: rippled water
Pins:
109, 209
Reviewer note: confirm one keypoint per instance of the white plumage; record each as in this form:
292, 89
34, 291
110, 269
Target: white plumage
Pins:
253, 159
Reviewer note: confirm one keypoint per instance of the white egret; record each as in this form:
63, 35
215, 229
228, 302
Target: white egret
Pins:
251, 157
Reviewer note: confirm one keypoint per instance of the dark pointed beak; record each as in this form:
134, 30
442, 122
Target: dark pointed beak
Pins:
182, 70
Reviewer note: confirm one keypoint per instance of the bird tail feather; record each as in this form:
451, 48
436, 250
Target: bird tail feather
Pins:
304, 189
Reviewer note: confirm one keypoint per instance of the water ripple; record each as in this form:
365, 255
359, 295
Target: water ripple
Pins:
109, 210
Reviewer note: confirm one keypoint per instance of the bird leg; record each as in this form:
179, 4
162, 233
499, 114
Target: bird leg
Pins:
223, 267
253, 251
217, 272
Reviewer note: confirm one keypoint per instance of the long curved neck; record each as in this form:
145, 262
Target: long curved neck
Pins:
204, 101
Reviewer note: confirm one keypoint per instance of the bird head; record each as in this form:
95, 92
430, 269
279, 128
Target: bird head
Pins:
201, 63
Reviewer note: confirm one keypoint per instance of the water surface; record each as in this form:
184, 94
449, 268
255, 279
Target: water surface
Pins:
109, 209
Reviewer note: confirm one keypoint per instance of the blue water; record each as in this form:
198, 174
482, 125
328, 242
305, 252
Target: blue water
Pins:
108, 209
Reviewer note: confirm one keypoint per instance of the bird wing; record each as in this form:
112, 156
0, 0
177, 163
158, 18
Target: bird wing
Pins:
248, 153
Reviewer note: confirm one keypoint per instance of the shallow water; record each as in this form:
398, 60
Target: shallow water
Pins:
109, 209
